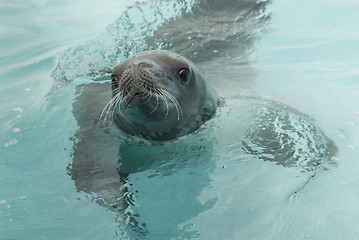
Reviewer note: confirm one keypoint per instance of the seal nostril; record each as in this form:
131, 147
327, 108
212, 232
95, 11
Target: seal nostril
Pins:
144, 65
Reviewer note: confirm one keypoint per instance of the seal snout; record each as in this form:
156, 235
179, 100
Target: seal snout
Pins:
138, 82
139, 70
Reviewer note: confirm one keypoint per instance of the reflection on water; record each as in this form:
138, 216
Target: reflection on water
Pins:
247, 128
288, 139
103, 160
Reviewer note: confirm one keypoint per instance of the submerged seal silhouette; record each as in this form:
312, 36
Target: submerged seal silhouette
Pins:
160, 95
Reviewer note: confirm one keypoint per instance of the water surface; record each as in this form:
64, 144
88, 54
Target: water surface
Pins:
284, 67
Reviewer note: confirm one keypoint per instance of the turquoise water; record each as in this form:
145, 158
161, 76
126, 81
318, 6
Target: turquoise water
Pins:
285, 68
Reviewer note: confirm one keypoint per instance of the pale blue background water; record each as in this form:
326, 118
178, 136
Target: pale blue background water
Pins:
307, 58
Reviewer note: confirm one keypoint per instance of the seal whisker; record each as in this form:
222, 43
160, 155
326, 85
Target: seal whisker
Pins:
169, 89
105, 112
109, 109
117, 102
113, 105
175, 102
150, 96
165, 100
108, 105
155, 107
126, 84
115, 91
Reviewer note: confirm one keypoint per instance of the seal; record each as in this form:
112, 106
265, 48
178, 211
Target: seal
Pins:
159, 95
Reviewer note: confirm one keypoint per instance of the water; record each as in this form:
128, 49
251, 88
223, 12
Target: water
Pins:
288, 71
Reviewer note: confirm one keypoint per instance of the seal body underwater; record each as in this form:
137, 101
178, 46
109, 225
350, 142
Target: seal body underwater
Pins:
160, 95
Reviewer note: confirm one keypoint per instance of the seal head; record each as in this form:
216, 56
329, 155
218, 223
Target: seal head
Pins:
160, 95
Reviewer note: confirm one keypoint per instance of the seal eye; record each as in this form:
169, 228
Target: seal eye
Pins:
184, 74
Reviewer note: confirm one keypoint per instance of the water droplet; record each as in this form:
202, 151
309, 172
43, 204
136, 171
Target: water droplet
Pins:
341, 136
11, 142
17, 109
351, 147
16, 130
